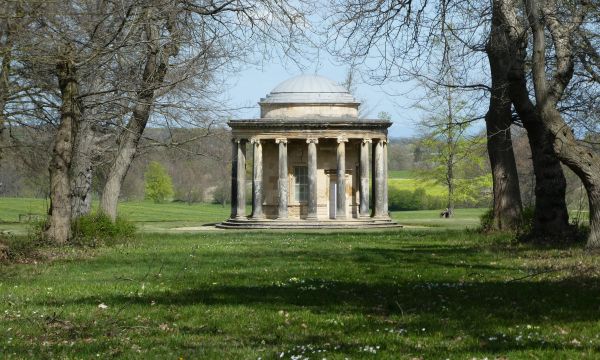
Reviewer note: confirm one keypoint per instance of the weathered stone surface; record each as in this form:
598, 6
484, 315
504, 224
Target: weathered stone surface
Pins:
241, 179
312, 179
341, 209
379, 179
282, 198
234, 182
330, 144
257, 180
364, 177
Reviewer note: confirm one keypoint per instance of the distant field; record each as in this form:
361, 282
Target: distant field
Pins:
400, 174
149, 216
407, 180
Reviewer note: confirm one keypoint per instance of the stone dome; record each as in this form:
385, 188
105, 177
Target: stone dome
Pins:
309, 89
308, 96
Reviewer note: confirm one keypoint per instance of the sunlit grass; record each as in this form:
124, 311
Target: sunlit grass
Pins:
151, 217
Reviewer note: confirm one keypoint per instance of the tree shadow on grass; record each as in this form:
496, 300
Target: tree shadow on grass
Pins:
429, 256
468, 303
452, 308
476, 309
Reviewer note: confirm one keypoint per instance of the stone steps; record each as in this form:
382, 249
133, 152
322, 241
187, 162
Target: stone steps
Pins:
308, 224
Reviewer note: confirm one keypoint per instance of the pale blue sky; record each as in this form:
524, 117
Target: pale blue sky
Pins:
255, 82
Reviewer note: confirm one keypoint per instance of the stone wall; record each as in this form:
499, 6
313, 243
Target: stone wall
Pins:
275, 111
326, 174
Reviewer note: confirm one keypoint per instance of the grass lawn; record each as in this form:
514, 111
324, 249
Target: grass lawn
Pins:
408, 180
152, 217
400, 174
148, 216
396, 294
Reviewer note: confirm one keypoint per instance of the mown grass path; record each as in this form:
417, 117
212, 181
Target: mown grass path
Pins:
234, 295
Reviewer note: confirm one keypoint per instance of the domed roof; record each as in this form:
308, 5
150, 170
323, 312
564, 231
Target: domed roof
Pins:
309, 89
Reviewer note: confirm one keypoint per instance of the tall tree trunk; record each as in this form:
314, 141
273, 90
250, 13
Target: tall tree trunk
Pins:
579, 157
507, 196
450, 143
582, 160
155, 70
450, 177
81, 170
508, 208
59, 222
4, 84
551, 217
128, 142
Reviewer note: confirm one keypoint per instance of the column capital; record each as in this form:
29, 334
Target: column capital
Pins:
367, 141
255, 140
342, 139
312, 140
238, 140
281, 140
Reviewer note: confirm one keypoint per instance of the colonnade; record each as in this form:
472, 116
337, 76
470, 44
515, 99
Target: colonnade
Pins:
378, 172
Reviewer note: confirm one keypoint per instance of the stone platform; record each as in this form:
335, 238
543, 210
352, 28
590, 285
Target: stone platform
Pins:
367, 223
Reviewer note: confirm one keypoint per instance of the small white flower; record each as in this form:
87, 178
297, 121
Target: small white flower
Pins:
103, 306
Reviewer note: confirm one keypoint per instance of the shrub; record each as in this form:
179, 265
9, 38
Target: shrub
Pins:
21, 248
486, 221
418, 199
528, 217
98, 229
159, 186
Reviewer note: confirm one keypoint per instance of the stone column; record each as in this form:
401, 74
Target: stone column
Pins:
378, 179
340, 212
312, 178
234, 171
257, 184
283, 179
241, 179
364, 178
385, 178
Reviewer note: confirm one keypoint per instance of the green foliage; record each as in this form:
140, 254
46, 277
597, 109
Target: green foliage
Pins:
98, 229
527, 217
384, 115
421, 199
449, 153
471, 180
417, 199
19, 248
222, 194
158, 183
486, 221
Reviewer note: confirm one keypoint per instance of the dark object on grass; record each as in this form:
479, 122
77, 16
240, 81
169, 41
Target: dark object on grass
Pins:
445, 213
